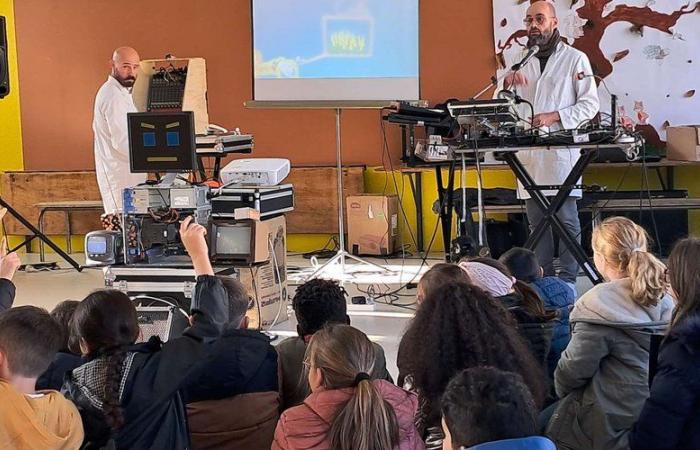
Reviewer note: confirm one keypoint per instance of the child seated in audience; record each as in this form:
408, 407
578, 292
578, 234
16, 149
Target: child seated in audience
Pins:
31, 419
670, 419
316, 303
458, 327
346, 409
555, 293
129, 395
65, 359
439, 275
602, 376
431, 283
234, 401
535, 323
485, 408
9, 263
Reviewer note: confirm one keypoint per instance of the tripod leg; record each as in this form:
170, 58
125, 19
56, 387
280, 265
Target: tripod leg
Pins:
323, 268
368, 263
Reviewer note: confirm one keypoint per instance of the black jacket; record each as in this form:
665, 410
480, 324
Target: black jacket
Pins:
671, 415
536, 331
153, 376
7, 294
63, 362
241, 362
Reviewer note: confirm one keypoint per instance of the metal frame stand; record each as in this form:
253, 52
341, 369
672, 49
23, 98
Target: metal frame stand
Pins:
550, 209
342, 254
38, 234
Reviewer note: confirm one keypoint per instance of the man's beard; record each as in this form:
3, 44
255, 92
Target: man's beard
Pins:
539, 38
126, 82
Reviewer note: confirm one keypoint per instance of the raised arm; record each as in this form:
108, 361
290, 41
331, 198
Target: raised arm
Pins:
9, 263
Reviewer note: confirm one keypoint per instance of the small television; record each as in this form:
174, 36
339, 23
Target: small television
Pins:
103, 248
162, 142
240, 241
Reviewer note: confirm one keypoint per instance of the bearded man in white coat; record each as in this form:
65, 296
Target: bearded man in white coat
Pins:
562, 99
110, 127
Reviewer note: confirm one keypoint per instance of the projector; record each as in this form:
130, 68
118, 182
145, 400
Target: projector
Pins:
256, 171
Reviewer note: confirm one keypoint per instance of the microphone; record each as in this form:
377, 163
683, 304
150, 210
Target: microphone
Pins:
530, 53
509, 95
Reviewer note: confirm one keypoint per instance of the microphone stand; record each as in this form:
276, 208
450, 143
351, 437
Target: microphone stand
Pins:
494, 82
515, 69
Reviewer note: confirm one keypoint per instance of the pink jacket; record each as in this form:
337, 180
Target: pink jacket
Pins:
306, 426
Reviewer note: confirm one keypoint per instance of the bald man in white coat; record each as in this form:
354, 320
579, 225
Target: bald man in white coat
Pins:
561, 100
109, 125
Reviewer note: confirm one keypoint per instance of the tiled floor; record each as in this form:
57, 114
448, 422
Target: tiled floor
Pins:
384, 324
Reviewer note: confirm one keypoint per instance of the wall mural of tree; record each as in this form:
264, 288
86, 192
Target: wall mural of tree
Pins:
648, 51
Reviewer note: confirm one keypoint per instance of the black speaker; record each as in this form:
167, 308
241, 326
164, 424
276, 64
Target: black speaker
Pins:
671, 225
4, 66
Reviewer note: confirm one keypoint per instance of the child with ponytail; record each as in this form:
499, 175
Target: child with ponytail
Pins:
602, 376
128, 394
347, 410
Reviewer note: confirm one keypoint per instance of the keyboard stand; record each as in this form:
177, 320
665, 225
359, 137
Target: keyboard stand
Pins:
550, 208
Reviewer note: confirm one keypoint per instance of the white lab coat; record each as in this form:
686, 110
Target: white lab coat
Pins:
110, 127
557, 89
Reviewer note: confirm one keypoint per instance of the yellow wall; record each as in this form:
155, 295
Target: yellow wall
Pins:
379, 181
10, 122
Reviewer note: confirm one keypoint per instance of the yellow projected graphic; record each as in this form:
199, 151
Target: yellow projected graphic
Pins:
341, 36
275, 68
345, 42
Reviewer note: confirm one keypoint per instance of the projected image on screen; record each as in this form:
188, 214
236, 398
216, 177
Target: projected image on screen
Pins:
335, 49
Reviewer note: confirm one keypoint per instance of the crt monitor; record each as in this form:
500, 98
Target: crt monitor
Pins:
239, 241
162, 142
232, 240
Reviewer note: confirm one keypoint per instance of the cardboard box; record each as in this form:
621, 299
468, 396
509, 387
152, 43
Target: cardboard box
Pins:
265, 282
372, 224
683, 143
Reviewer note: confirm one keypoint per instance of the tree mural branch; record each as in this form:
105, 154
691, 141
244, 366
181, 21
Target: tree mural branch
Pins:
598, 16
507, 45
593, 11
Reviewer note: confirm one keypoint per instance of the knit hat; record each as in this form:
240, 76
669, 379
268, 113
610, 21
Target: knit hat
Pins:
489, 278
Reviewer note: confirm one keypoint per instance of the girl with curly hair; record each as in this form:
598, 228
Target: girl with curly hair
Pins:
458, 327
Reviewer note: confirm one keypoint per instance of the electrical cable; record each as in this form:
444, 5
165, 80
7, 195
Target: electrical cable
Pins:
257, 298
279, 278
393, 175
651, 208
480, 197
423, 259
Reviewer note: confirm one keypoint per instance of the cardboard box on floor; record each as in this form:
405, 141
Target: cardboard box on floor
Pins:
265, 282
372, 224
683, 143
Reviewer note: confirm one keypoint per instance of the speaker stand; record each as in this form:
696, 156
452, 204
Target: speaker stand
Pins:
342, 254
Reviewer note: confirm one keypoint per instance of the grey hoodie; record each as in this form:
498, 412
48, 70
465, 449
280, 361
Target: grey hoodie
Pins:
602, 376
